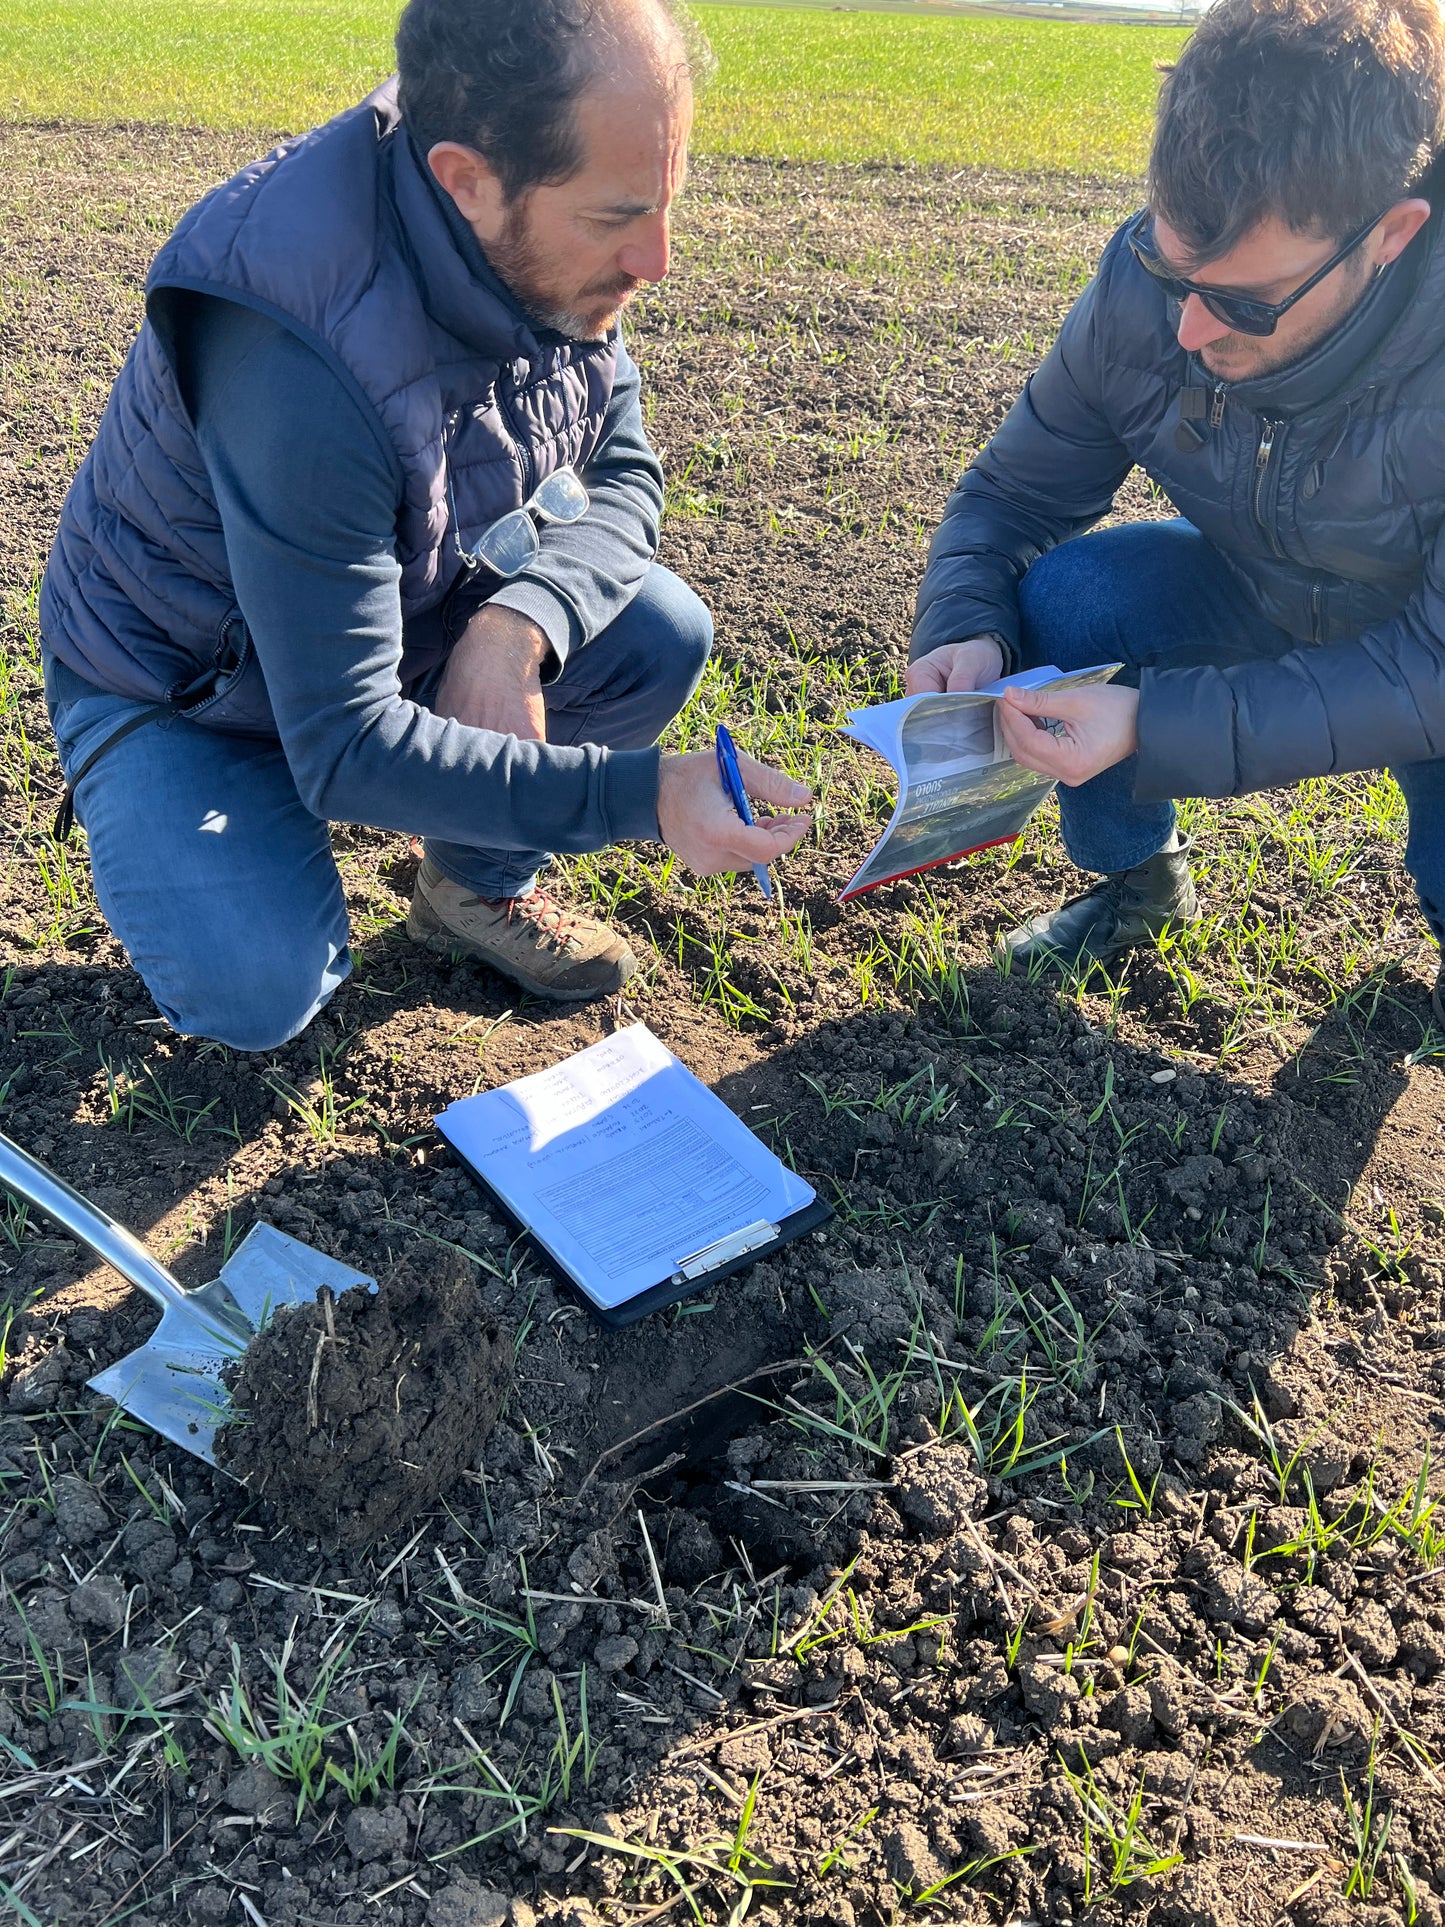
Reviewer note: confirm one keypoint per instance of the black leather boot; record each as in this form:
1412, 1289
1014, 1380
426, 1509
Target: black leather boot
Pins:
1117, 913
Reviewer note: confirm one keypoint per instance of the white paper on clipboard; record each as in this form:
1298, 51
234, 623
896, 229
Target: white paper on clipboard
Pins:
621, 1163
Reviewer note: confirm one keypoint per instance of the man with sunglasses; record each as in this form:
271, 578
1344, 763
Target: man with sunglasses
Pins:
368, 533
1266, 340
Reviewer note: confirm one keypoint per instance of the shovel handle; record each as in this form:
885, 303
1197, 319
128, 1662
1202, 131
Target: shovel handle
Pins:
32, 1182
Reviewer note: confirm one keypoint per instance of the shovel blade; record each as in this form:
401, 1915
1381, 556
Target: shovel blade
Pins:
172, 1383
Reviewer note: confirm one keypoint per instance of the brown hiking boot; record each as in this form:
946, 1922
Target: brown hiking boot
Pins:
550, 951
1116, 914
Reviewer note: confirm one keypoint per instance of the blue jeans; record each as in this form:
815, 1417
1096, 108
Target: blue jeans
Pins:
221, 883
1157, 593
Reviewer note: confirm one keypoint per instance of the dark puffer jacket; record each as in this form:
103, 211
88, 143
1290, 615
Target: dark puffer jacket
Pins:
1322, 487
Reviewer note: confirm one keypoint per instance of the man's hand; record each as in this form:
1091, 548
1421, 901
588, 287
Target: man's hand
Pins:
493, 676
956, 666
1099, 729
697, 820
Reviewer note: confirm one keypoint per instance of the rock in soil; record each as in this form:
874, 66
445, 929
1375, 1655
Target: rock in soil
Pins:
353, 1414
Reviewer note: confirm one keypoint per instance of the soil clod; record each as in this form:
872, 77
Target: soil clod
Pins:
354, 1413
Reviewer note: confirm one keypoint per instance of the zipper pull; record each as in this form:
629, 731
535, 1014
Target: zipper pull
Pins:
1216, 413
1193, 409
1266, 444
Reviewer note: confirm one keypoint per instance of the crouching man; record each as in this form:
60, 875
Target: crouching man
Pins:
367, 533
1266, 339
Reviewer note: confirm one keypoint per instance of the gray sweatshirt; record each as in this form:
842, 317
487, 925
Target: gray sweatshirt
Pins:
308, 502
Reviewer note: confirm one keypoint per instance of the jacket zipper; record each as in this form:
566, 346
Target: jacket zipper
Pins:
529, 477
454, 521
1317, 597
1216, 412
1267, 432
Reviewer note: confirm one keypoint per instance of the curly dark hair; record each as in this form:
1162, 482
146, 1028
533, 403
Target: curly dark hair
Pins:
504, 76
1322, 112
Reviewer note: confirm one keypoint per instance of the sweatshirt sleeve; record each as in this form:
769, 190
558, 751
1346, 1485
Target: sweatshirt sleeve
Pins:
588, 571
308, 492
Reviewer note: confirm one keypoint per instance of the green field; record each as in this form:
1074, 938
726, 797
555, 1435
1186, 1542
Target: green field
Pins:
792, 82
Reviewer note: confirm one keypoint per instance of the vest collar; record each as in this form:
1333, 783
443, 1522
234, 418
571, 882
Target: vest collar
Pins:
458, 287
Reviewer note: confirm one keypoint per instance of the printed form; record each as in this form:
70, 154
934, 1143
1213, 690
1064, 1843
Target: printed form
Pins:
621, 1163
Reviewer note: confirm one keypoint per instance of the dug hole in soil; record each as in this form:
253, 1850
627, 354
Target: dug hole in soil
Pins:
1038, 1542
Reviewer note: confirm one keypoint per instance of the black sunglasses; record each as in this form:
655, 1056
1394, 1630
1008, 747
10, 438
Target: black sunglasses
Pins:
1238, 311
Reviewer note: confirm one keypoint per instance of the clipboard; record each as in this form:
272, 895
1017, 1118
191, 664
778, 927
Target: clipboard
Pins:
635, 1181
717, 1262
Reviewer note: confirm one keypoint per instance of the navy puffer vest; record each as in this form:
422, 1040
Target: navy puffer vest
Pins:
339, 235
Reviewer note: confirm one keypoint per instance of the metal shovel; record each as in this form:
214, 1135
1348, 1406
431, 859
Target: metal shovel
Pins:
173, 1382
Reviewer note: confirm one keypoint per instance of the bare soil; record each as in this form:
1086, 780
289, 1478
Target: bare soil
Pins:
1038, 1542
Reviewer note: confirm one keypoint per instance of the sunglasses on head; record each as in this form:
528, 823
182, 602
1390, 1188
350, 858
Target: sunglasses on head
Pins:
1242, 312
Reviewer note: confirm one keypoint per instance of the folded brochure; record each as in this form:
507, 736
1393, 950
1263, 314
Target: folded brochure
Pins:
637, 1181
959, 790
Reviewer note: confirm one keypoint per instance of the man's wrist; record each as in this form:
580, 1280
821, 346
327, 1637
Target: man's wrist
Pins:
540, 605
1007, 654
498, 626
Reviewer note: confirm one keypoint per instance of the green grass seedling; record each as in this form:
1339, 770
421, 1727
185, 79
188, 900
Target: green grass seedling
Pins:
51, 1678
1142, 1499
515, 1647
146, 1707
22, 1913
1013, 1644
320, 1108
724, 1865
1367, 1832
837, 1855
1117, 1853
134, 1096
1410, 1890
996, 1428
157, 1508
807, 84
862, 1401
365, 1774
971, 1871
853, 1617
496, 1790
1286, 1465
1262, 1676
291, 1741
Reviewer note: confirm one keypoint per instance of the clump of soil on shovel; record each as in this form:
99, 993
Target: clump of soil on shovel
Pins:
354, 1413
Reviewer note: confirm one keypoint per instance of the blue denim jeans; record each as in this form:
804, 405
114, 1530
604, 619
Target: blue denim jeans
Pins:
1157, 593
221, 883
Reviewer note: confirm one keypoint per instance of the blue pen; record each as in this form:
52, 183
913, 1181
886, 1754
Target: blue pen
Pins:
732, 782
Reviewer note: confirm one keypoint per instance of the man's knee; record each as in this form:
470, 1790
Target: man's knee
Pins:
626, 687
250, 1005
681, 626
1064, 605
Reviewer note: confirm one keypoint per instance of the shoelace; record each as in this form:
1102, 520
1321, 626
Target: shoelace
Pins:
543, 911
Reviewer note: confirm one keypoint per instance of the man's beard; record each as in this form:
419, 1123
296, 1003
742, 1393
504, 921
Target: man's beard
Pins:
1264, 355
588, 315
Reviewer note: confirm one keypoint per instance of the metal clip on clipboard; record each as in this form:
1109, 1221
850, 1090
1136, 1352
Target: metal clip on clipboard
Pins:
722, 1251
